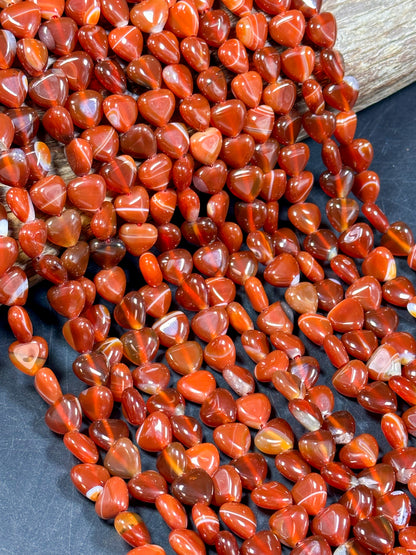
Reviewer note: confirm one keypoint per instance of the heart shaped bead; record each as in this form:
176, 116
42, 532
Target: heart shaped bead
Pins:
271, 495
183, 19
233, 55
290, 525
49, 195
193, 486
59, 35
228, 117
396, 507
317, 448
233, 439
138, 238
147, 486
123, 459
375, 533
172, 329
81, 446
206, 522
77, 67
183, 541
67, 299
323, 524
146, 71
113, 499
342, 96
361, 452
310, 492
275, 437
319, 126
280, 96
23, 21
322, 29
89, 479
30, 356
155, 433
134, 206
85, 108
14, 170
130, 312
111, 284
212, 84
64, 415
287, 28
248, 88
150, 16
196, 53
87, 193
140, 346
251, 30
14, 287
93, 40
254, 410
214, 25
239, 518
64, 230
165, 47
298, 63
206, 145
116, 13
132, 529
125, 41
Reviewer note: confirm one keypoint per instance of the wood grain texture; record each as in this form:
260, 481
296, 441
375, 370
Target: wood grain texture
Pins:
378, 43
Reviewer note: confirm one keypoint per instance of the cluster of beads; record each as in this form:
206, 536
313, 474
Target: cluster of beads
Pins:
188, 185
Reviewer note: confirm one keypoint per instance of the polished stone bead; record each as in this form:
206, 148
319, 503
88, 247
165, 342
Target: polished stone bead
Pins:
290, 525
13, 87
375, 533
183, 19
150, 16
317, 448
123, 459
64, 415
292, 465
203, 456
155, 433
93, 39
186, 542
132, 529
22, 20
172, 511
214, 27
275, 437
361, 452
29, 356
147, 486
59, 35
81, 446
239, 518
186, 429
7, 48
89, 479
113, 499
85, 108
145, 71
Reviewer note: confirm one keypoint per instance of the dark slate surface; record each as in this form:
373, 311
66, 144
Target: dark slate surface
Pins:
40, 510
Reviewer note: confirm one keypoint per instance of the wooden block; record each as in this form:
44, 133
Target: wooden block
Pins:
378, 42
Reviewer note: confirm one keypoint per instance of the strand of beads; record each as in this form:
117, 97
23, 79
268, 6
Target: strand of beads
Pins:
237, 143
